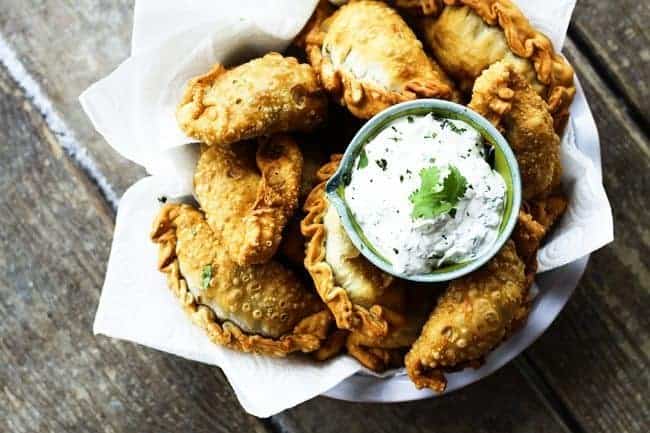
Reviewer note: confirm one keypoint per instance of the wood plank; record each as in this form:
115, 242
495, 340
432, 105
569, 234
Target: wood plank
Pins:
91, 39
503, 402
617, 36
66, 46
54, 243
596, 355
105, 42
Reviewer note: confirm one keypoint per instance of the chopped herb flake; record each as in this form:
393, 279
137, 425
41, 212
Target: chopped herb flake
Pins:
382, 163
451, 125
206, 276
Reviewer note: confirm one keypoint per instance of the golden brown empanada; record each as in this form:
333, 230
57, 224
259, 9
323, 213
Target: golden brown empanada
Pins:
536, 218
548, 210
474, 314
527, 236
381, 353
249, 192
267, 95
506, 99
361, 297
253, 308
369, 58
470, 35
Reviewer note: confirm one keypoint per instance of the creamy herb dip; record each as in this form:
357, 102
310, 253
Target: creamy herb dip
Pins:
439, 165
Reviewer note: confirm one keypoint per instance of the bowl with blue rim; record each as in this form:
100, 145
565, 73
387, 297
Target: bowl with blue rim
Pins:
504, 162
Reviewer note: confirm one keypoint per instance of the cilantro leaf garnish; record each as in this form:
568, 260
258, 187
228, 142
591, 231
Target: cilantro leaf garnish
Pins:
363, 159
206, 276
435, 198
382, 163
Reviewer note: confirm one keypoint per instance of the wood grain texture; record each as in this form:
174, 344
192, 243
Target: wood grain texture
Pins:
616, 34
66, 46
54, 243
94, 41
503, 402
596, 355
55, 376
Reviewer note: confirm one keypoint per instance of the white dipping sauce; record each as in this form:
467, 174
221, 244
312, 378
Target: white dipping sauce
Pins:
378, 194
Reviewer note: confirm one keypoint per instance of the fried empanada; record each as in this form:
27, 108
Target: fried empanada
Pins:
474, 314
361, 296
249, 192
527, 236
332, 346
381, 353
534, 222
470, 35
292, 246
506, 99
267, 95
254, 308
548, 210
369, 58
315, 154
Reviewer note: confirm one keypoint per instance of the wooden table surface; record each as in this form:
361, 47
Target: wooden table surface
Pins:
59, 184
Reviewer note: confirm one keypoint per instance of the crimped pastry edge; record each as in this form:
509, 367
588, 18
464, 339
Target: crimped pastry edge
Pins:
551, 68
362, 98
306, 336
371, 321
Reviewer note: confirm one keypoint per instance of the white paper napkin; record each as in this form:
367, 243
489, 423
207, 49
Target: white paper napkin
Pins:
133, 108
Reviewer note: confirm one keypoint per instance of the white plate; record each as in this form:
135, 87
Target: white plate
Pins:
555, 287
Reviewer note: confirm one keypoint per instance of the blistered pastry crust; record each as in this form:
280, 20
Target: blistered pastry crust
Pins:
250, 193
507, 100
305, 336
264, 96
551, 69
472, 317
380, 65
379, 354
